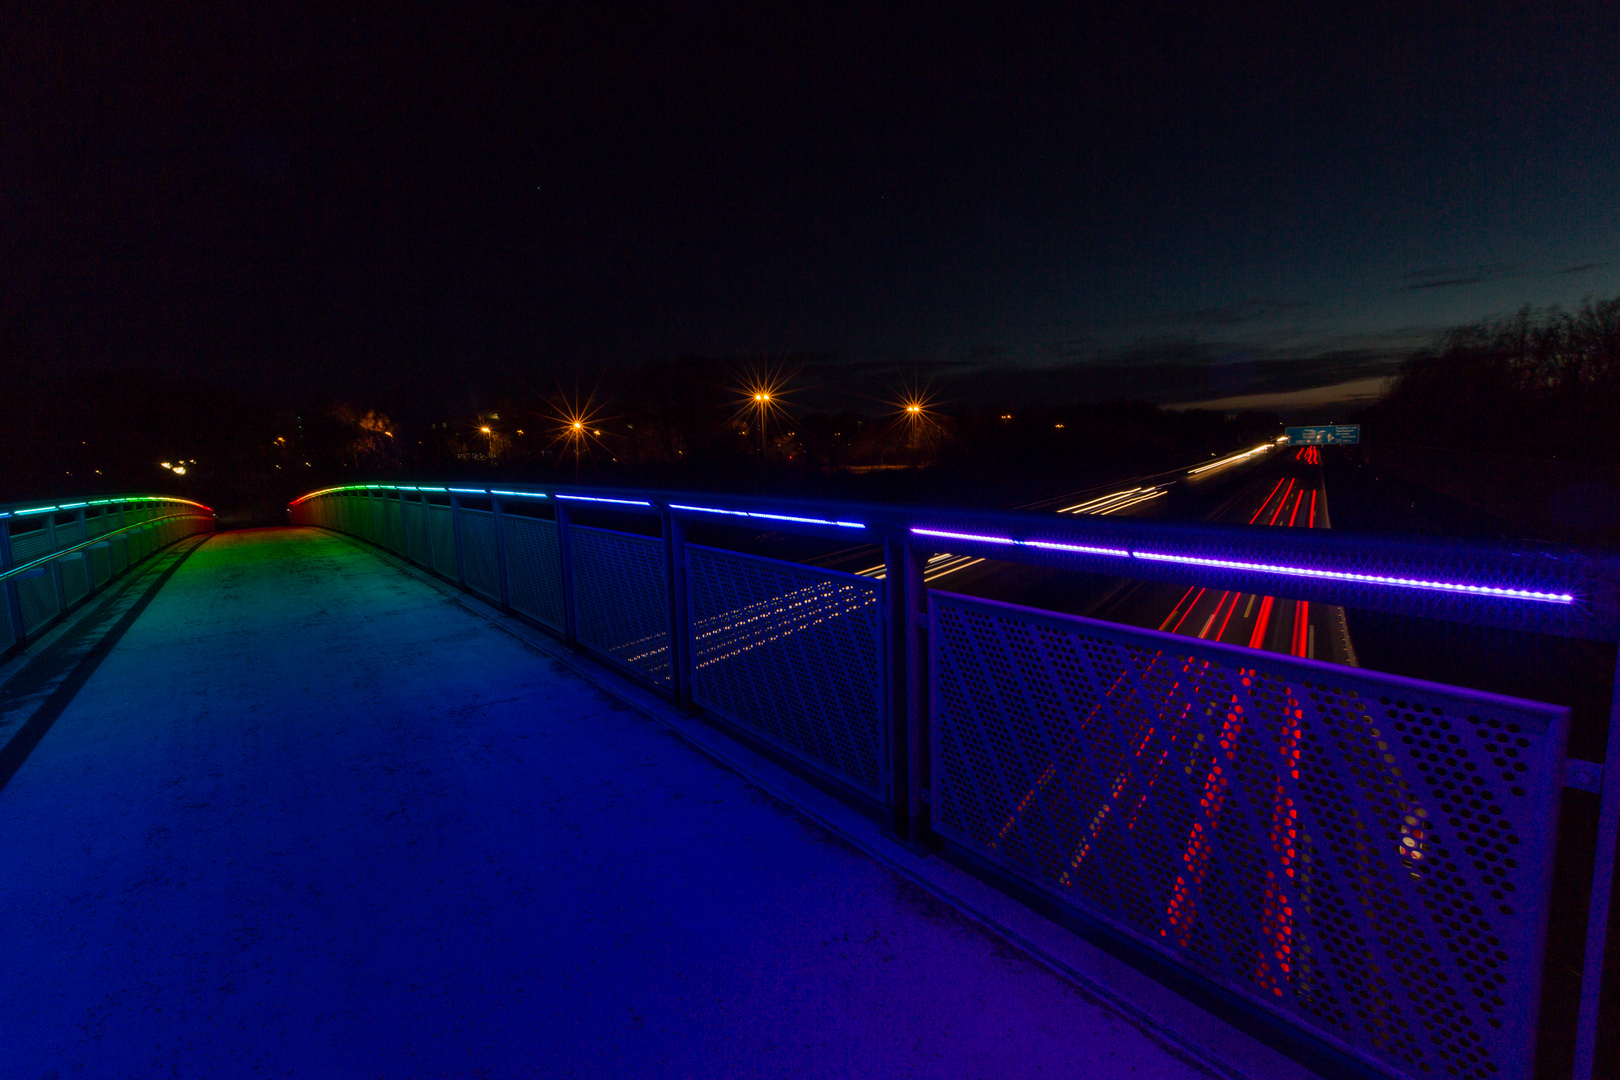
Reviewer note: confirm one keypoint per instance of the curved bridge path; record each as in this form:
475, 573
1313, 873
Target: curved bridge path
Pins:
314, 816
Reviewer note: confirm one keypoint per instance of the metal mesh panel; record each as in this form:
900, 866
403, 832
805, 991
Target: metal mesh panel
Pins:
621, 605
118, 552
75, 578
534, 569
395, 532
376, 520
794, 653
444, 540
1367, 855
99, 560
478, 554
8, 635
415, 537
36, 592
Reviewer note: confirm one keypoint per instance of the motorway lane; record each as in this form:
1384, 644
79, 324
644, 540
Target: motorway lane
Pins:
1203, 489
1293, 495
1271, 485
1280, 487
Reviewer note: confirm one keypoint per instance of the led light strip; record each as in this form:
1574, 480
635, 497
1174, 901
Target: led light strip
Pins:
597, 498
129, 500
1266, 568
769, 517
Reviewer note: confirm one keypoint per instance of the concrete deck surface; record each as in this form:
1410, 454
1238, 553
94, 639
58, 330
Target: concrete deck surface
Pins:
313, 818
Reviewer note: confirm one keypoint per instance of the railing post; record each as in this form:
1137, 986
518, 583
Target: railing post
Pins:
906, 597
13, 601
680, 671
1597, 915
455, 535
500, 553
565, 560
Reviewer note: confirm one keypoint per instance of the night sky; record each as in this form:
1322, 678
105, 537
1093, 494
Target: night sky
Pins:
412, 200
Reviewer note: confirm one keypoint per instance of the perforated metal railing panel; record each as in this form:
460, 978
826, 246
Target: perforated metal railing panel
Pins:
442, 530
396, 532
75, 577
36, 591
415, 538
478, 555
1366, 855
621, 603
534, 569
795, 654
100, 561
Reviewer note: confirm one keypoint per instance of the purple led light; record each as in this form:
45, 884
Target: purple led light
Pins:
594, 498
1079, 549
1373, 579
1118, 553
1268, 568
967, 536
770, 517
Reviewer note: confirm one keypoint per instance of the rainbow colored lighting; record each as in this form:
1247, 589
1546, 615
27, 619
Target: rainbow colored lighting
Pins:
1461, 588
769, 517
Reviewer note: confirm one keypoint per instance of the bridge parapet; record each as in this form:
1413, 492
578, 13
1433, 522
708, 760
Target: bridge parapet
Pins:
1366, 857
54, 556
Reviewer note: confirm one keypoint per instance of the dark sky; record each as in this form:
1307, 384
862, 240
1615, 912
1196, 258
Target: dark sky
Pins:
324, 196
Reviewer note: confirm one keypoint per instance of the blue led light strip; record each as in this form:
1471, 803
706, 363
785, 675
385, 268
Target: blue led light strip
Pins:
768, 517
595, 498
1268, 568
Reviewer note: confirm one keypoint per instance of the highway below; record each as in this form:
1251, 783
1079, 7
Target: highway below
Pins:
1270, 485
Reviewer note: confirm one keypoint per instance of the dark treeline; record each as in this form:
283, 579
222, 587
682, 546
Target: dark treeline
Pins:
1535, 385
685, 423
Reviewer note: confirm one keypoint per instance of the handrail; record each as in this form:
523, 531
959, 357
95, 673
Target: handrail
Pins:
1545, 588
17, 571
11, 510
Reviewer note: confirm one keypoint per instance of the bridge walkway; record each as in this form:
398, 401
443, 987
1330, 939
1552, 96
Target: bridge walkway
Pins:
312, 815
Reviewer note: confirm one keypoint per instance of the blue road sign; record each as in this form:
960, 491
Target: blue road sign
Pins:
1332, 435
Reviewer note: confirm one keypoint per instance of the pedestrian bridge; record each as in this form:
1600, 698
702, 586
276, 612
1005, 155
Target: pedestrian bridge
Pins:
469, 782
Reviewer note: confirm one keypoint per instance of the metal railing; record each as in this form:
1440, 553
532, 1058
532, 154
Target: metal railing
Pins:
1365, 856
53, 557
